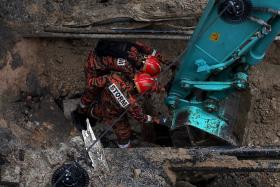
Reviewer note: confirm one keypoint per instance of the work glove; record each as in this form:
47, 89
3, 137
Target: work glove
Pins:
156, 121
79, 120
162, 121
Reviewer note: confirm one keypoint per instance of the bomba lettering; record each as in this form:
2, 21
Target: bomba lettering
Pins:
118, 95
121, 62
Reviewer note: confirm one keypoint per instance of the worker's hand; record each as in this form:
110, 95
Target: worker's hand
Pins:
162, 121
156, 121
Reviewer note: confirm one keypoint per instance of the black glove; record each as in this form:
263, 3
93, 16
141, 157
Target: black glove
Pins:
165, 121
79, 120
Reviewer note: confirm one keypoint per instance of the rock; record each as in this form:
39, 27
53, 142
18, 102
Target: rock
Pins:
54, 156
3, 123
257, 142
17, 61
36, 171
59, 59
276, 141
7, 141
278, 133
76, 142
33, 83
10, 174
253, 181
184, 184
3, 63
69, 106
137, 173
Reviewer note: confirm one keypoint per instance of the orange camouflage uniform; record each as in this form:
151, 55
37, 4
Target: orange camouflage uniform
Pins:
103, 71
98, 68
109, 108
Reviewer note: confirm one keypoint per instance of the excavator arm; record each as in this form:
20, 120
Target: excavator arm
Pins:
232, 36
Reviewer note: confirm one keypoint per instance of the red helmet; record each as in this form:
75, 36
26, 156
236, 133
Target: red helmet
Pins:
144, 82
151, 66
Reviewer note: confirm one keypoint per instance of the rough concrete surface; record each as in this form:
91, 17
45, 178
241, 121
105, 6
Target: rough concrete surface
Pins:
84, 12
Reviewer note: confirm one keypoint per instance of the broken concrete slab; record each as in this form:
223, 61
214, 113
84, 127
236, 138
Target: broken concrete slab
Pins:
55, 156
8, 142
128, 167
69, 106
85, 12
10, 174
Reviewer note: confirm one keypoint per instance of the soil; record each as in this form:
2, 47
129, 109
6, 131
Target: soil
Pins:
54, 68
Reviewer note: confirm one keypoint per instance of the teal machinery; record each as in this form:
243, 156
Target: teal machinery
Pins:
231, 36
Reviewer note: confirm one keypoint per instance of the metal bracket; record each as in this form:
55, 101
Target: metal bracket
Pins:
240, 82
96, 153
207, 86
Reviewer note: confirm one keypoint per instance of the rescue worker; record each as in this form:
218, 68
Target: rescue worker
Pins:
140, 57
119, 95
99, 72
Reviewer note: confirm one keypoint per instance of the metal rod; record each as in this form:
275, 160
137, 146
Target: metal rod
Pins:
242, 152
241, 169
265, 153
111, 36
151, 31
116, 31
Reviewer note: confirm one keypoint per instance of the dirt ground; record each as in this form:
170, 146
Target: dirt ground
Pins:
48, 69
55, 67
264, 115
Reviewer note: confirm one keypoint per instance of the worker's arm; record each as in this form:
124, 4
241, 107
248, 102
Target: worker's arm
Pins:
137, 113
97, 70
106, 64
117, 64
139, 50
97, 81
